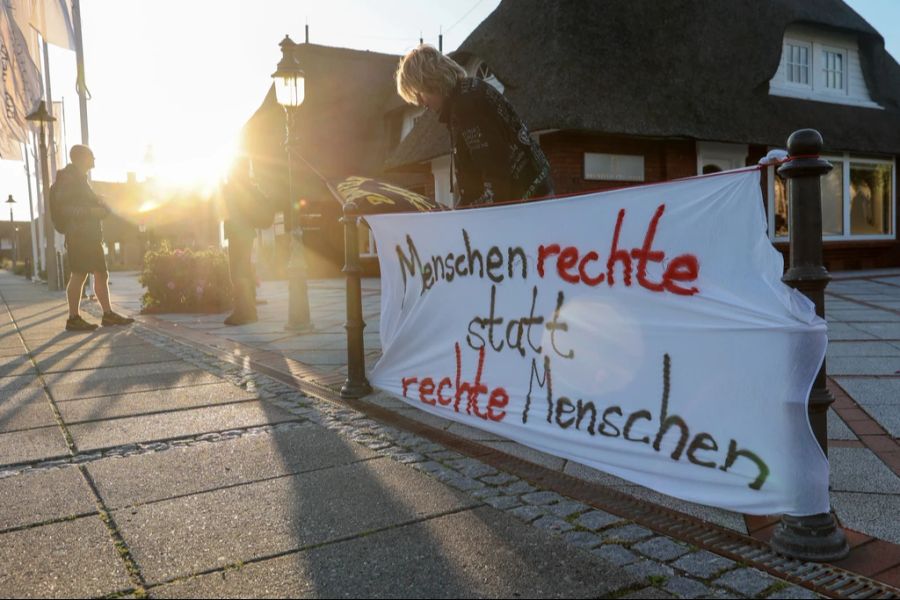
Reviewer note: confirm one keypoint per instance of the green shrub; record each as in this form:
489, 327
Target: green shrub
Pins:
185, 280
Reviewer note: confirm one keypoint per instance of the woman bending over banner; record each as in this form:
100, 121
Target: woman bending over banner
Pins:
495, 157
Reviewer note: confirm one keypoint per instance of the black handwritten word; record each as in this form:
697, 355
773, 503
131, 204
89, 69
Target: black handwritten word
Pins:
457, 389
517, 329
583, 416
471, 263
574, 267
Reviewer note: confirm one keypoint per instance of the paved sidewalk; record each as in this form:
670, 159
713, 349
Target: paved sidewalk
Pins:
177, 472
131, 463
863, 309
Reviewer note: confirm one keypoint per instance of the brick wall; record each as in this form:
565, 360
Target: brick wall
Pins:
663, 159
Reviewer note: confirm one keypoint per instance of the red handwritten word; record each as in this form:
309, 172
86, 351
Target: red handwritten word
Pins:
434, 395
574, 267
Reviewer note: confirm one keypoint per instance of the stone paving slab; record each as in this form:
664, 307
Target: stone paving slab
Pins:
473, 554
844, 331
102, 339
887, 415
144, 371
859, 470
19, 367
324, 358
852, 365
191, 422
869, 513
31, 445
161, 475
142, 403
872, 391
21, 414
103, 359
859, 316
73, 559
179, 537
889, 331
180, 375
10, 386
41, 496
838, 429
874, 348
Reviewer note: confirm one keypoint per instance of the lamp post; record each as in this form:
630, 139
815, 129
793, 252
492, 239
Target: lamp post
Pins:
289, 91
41, 115
12, 228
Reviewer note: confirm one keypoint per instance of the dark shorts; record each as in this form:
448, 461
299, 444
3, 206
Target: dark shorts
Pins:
85, 256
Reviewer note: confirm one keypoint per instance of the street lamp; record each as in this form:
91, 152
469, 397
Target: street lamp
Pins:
289, 91
12, 227
41, 115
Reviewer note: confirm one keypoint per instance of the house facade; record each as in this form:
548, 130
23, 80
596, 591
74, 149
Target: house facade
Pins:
626, 92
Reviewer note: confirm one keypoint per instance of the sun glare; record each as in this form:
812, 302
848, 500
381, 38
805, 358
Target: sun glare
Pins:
198, 173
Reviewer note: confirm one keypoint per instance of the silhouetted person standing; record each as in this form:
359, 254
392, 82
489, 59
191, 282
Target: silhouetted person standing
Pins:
81, 211
247, 210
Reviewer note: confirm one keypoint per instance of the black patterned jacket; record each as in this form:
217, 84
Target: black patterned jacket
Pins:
495, 158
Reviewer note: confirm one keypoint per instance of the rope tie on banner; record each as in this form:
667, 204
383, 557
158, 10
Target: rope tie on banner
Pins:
81, 85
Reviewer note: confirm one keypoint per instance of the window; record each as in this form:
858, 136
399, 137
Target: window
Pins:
483, 72
834, 70
797, 67
871, 186
821, 65
859, 196
613, 167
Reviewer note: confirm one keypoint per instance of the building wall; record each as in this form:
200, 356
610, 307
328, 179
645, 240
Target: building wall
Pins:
663, 159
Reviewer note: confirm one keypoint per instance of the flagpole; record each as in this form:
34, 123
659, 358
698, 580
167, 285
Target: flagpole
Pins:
42, 231
53, 278
80, 81
33, 223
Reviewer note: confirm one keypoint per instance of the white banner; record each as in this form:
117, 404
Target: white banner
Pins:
20, 86
644, 332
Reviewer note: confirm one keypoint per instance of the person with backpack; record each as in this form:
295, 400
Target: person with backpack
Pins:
77, 211
248, 209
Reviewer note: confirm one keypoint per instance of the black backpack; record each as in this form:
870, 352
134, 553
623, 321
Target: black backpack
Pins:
57, 214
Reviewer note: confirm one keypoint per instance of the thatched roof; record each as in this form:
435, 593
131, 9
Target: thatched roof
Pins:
681, 68
340, 126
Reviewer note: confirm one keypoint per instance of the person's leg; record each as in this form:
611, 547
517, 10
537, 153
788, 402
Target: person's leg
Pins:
101, 289
244, 311
73, 292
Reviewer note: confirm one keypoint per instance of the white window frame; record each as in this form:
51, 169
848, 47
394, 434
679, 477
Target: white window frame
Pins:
810, 64
845, 71
846, 158
614, 160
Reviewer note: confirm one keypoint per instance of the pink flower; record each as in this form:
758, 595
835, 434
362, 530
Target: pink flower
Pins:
171, 285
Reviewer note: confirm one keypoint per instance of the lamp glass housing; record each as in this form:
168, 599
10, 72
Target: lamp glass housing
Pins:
289, 89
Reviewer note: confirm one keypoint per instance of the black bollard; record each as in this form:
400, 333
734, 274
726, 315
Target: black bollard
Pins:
356, 385
814, 537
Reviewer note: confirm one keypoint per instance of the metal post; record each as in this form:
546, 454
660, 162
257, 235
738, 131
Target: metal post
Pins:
356, 385
298, 292
815, 537
49, 233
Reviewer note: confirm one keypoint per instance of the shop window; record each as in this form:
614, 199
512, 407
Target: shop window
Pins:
859, 197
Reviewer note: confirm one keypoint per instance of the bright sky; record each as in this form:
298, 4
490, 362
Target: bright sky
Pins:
182, 77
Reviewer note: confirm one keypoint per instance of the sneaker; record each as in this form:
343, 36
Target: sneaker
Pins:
112, 318
237, 319
76, 323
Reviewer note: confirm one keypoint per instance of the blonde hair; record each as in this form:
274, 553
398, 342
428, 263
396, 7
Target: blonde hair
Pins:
424, 69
